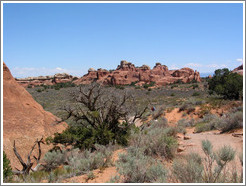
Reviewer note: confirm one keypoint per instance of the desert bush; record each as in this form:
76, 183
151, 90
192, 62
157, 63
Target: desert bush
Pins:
230, 121
40, 90
96, 117
208, 122
136, 167
196, 94
173, 86
7, 170
156, 114
183, 107
224, 155
186, 123
190, 110
151, 84
82, 162
227, 84
156, 142
172, 94
195, 86
189, 170
55, 158
160, 123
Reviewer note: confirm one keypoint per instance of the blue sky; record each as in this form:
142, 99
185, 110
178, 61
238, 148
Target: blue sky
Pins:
44, 39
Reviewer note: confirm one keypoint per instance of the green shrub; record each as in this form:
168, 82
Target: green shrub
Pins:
196, 94
85, 137
160, 123
54, 158
119, 87
39, 90
227, 84
156, 141
151, 84
133, 83
230, 121
86, 161
208, 122
172, 94
195, 86
7, 170
179, 81
186, 123
190, 109
189, 170
183, 107
135, 167
173, 86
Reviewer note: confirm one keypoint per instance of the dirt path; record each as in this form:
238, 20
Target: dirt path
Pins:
218, 140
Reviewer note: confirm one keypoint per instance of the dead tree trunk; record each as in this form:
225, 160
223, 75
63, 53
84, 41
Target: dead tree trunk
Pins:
26, 167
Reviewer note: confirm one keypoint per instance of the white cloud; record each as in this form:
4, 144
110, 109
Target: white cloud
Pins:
239, 60
60, 69
173, 67
21, 72
212, 66
193, 65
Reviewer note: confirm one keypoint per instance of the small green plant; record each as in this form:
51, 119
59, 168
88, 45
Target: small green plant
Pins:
190, 170
194, 86
7, 170
172, 94
196, 94
173, 86
90, 176
39, 90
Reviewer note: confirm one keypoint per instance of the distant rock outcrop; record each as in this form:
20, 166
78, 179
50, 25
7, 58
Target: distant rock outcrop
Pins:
45, 80
24, 120
239, 70
126, 73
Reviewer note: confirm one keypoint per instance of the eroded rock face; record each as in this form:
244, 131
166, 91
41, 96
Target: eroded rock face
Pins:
24, 120
239, 70
126, 73
45, 80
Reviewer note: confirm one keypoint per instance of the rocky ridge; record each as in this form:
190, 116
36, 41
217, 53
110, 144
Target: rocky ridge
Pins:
126, 73
46, 80
239, 70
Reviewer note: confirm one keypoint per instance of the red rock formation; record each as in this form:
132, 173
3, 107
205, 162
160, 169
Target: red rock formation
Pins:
24, 120
126, 73
239, 70
45, 80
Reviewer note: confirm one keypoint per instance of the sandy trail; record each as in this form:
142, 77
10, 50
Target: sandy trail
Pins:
194, 144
